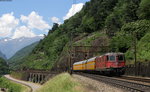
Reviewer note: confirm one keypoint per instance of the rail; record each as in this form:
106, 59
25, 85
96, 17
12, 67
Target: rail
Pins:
124, 84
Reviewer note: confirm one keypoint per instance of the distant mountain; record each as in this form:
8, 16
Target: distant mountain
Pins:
2, 55
10, 46
17, 58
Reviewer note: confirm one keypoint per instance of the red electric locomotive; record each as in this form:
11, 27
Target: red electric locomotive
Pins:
111, 63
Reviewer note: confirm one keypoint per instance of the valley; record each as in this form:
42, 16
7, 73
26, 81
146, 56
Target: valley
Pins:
95, 36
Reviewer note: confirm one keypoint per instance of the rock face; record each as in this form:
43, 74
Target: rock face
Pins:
10, 46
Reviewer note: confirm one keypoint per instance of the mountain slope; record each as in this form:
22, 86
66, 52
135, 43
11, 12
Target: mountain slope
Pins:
3, 66
144, 48
10, 46
90, 19
100, 22
2, 55
15, 60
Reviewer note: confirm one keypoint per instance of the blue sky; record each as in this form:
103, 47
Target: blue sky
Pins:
24, 15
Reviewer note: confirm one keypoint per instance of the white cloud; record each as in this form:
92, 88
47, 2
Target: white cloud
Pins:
7, 23
46, 31
73, 10
24, 18
42, 35
23, 31
55, 20
10, 26
34, 20
5, 40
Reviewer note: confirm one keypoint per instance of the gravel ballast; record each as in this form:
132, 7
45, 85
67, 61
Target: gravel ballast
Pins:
96, 86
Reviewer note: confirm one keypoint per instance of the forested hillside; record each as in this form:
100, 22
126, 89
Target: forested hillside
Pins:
16, 60
116, 23
3, 66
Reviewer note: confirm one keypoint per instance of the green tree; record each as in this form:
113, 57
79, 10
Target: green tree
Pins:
121, 42
55, 27
144, 10
3, 66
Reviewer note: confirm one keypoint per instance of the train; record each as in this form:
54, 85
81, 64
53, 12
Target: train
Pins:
108, 64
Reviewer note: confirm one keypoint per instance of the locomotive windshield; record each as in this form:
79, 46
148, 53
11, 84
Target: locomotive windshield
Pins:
112, 58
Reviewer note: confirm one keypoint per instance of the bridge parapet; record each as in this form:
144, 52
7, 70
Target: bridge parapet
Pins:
37, 76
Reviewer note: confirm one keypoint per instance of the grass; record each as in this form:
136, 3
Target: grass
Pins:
17, 75
11, 86
62, 83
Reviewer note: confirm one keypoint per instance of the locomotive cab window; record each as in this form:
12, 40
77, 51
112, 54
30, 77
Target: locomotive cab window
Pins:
120, 57
112, 58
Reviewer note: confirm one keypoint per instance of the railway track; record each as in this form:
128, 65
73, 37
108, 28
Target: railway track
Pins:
128, 85
139, 79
